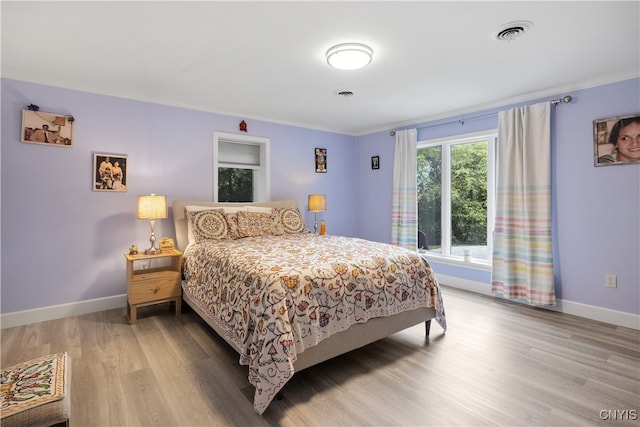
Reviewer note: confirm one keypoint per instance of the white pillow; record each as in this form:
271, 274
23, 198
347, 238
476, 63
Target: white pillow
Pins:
261, 209
191, 238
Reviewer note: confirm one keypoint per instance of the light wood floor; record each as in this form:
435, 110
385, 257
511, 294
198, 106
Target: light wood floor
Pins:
498, 364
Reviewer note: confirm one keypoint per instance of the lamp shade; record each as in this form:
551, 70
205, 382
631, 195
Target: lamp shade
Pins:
317, 203
152, 207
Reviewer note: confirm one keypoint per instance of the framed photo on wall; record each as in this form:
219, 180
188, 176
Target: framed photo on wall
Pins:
321, 160
47, 128
616, 140
110, 172
375, 162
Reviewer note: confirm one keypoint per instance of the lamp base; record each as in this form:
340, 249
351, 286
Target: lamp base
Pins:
153, 250
315, 224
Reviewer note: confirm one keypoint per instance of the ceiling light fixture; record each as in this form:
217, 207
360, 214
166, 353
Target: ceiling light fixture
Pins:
349, 56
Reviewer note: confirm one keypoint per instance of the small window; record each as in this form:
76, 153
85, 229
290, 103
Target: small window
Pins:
235, 185
240, 168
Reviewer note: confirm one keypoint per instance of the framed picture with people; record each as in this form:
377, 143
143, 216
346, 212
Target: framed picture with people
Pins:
321, 160
616, 140
110, 172
47, 128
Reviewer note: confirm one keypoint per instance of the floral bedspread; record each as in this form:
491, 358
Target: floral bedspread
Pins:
275, 296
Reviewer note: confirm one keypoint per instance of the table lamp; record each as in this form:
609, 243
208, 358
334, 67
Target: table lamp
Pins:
317, 203
152, 207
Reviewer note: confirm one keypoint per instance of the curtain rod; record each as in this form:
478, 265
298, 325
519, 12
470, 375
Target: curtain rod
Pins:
565, 99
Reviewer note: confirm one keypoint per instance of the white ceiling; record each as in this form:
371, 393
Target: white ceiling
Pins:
265, 60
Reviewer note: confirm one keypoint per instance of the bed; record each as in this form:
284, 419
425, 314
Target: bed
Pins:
286, 299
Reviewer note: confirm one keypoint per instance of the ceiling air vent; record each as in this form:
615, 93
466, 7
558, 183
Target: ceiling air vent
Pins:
345, 93
513, 30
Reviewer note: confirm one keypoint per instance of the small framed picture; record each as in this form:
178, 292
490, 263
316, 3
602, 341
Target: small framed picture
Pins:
375, 162
47, 128
616, 140
110, 172
321, 160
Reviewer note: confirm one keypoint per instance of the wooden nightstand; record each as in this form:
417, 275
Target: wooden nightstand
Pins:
153, 285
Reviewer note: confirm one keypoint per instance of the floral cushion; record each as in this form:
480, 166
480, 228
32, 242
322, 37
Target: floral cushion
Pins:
209, 225
33, 383
232, 223
254, 224
289, 219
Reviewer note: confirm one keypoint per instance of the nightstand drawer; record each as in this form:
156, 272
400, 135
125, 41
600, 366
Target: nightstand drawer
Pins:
154, 286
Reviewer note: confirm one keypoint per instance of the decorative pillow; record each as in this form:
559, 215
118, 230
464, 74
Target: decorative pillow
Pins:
192, 208
209, 225
232, 223
290, 219
227, 210
277, 229
253, 224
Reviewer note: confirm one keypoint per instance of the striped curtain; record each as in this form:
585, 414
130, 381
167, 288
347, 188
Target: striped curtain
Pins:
404, 224
523, 253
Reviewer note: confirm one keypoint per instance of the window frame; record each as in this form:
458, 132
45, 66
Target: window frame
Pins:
491, 135
261, 182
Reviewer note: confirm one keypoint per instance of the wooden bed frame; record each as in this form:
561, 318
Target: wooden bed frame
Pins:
356, 336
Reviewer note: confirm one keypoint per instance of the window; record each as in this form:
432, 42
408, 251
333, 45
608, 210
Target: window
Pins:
240, 168
455, 179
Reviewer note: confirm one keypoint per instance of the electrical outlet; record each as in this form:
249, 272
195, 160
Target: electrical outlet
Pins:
144, 265
611, 280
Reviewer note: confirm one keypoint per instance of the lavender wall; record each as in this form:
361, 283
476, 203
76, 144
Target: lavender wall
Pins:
63, 242
596, 211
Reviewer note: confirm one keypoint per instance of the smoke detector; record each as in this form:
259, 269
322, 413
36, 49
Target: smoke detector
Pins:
512, 30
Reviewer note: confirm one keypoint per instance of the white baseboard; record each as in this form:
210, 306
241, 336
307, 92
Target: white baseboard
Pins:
18, 318
464, 284
26, 317
614, 317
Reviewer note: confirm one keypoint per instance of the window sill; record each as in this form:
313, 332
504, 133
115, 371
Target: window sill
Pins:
474, 264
